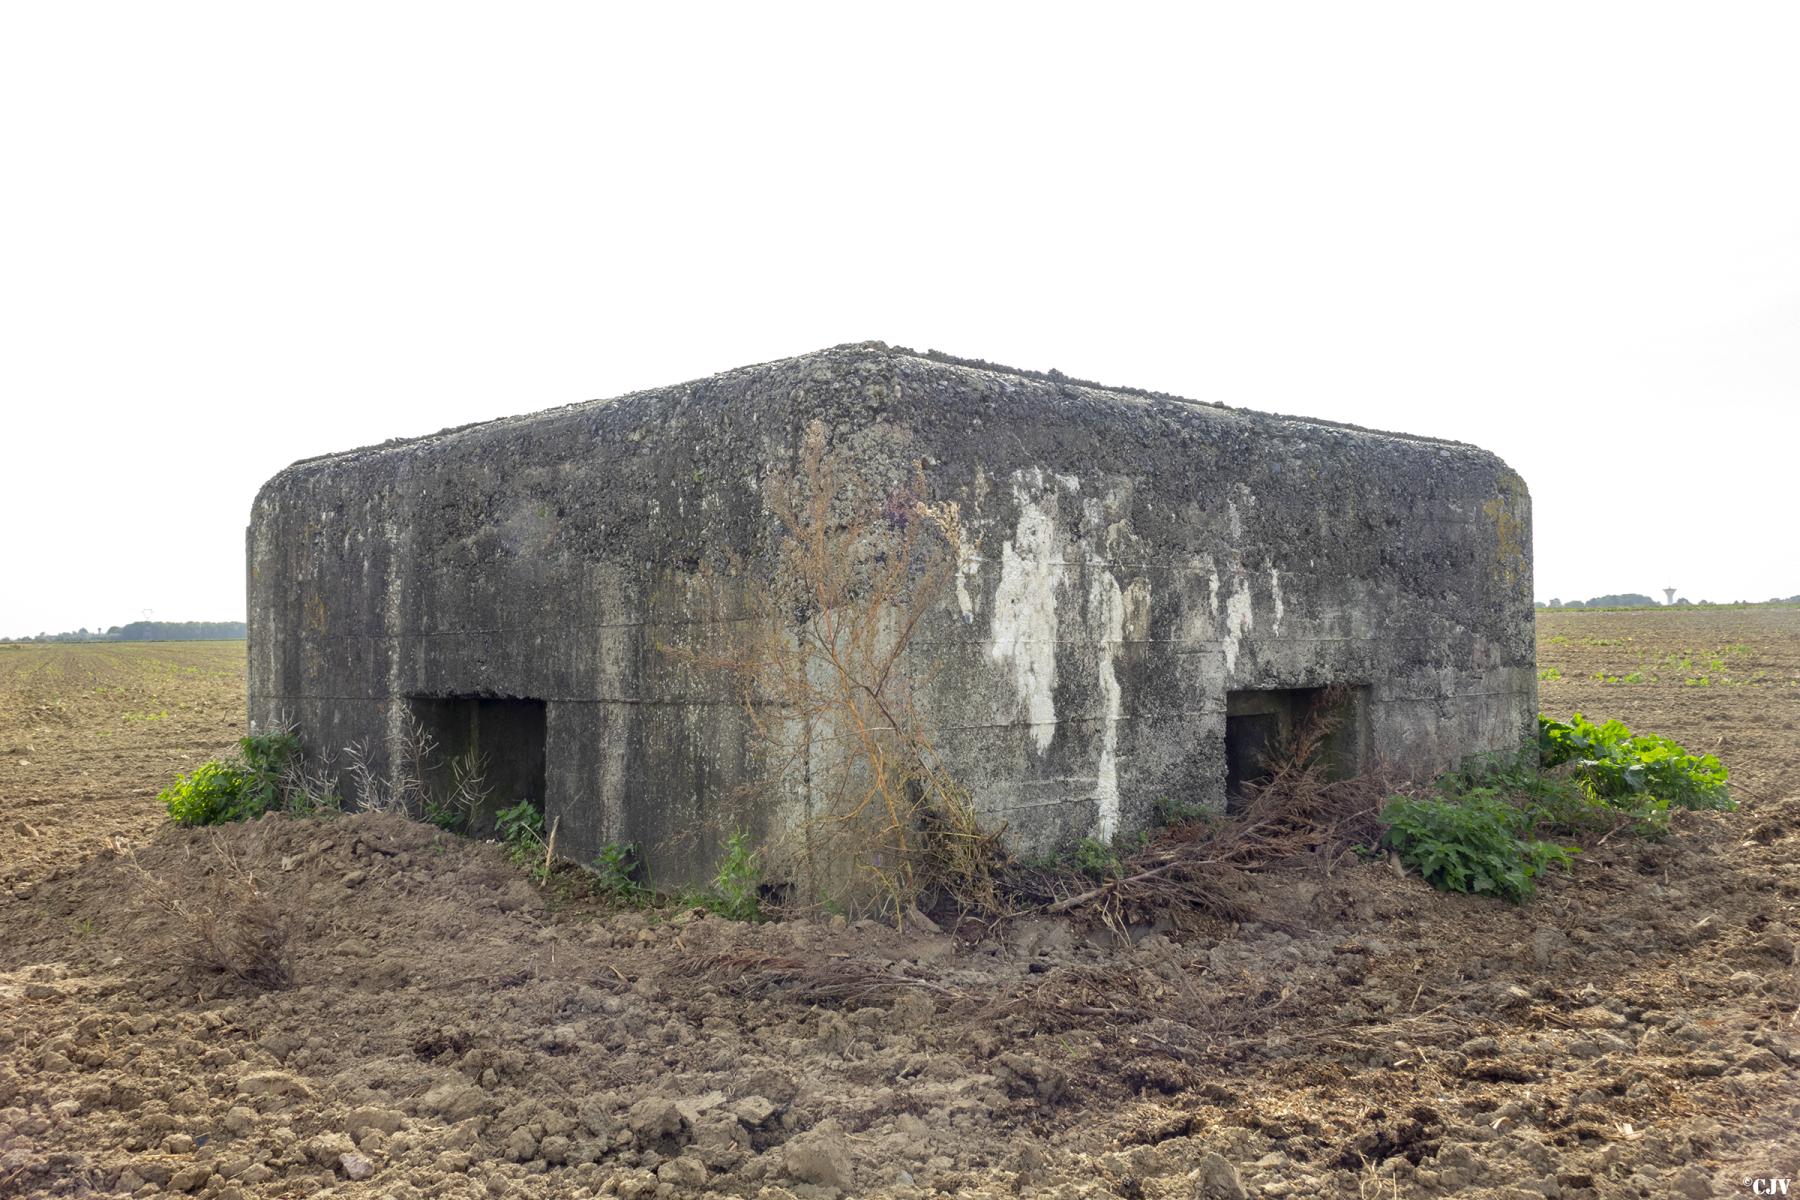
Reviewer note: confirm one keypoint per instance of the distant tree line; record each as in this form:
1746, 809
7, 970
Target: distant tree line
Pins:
150, 631
1622, 600
1634, 600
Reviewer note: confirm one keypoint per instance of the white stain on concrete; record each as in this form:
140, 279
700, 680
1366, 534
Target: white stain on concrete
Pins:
1239, 619
966, 567
1275, 590
1024, 624
1106, 603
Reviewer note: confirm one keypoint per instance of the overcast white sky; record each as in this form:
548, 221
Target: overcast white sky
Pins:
236, 235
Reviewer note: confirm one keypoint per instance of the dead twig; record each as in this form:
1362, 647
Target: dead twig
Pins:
549, 851
1207, 865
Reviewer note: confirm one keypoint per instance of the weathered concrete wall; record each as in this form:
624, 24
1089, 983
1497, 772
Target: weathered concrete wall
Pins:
1130, 559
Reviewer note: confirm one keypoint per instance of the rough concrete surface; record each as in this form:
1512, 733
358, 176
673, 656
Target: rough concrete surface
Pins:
1133, 566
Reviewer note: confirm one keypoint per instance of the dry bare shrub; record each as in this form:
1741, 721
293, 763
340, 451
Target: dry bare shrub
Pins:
468, 791
407, 789
309, 784
367, 788
821, 668
1209, 864
227, 928
402, 790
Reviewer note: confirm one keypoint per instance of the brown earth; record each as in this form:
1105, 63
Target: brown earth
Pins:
452, 1029
90, 733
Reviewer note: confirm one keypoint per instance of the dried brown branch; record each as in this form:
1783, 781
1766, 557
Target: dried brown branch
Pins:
821, 668
1207, 865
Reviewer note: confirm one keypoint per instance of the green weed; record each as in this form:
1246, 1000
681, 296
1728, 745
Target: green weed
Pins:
1170, 811
735, 887
1488, 828
1096, 859
240, 788
1474, 843
521, 830
445, 816
214, 793
612, 871
455, 808
1615, 764
736, 892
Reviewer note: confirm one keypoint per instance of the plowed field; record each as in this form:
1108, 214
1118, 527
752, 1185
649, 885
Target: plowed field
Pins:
451, 1029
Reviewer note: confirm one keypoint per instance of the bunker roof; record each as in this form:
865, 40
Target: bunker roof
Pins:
852, 355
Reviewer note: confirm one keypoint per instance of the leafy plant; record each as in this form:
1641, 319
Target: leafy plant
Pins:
267, 757
455, 807
213, 794
1484, 831
443, 815
1615, 764
1567, 805
1514, 773
1472, 843
521, 829
1096, 859
1550, 675
736, 892
243, 787
612, 869
1170, 811
735, 887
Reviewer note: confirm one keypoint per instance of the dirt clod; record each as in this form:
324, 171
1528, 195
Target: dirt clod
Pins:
819, 1156
1217, 1179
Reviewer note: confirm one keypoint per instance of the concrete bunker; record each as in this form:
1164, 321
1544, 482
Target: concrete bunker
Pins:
1146, 589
